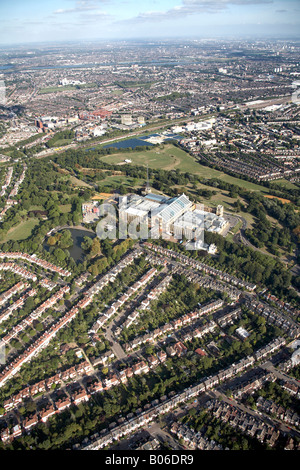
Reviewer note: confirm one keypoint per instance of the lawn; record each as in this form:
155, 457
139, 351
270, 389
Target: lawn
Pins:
65, 208
22, 231
56, 89
77, 182
117, 180
169, 157
285, 184
62, 142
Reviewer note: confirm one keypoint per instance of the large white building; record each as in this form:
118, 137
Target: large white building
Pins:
195, 126
177, 217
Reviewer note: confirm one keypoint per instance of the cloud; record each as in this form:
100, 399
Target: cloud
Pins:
89, 13
81, 6
192, 7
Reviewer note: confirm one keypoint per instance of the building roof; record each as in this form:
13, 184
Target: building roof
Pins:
156, 198
174, 208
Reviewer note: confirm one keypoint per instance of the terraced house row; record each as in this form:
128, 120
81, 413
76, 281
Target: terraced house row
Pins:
15, 268
275, 318
10, 202
281, 303
7, 181
13, 368
12, 291
142, 367
192, 439
43, 415
186, 319
17, 184
202, 267
33, 259
73, 373
103, 318
214, 284
111, 275
158, 407
144, 304
250, 424
17, 303
78, 394
36, 314
272, 408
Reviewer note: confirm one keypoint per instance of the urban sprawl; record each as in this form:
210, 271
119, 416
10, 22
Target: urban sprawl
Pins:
184, 333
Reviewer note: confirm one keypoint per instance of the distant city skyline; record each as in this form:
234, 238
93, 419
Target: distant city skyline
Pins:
32, 21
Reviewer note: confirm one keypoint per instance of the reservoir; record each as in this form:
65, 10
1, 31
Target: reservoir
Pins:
143, 141
130, 143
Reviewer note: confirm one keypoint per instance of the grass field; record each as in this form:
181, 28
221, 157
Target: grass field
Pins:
170, 157
62, 142
285, 184
21, 231
77, 182
55, 89
58, 89
222, 197
65, 208
167, 158
117, 180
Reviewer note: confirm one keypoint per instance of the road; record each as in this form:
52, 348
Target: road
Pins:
131, 306
261, 416
279, 374
239, 237
163, 436
115, 346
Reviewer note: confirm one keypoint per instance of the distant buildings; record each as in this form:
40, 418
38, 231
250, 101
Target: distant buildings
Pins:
66, 82
126, 119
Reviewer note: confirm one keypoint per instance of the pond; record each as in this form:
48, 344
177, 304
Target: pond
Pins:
76, 252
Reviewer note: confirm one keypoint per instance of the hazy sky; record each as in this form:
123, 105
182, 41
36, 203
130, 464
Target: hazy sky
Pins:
23, 21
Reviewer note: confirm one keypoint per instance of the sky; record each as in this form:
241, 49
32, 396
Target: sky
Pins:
30, 21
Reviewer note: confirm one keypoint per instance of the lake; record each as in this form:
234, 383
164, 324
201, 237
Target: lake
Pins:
76, 252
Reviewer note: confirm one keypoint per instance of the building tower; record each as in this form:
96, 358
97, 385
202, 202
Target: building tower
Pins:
147, 189
220, 210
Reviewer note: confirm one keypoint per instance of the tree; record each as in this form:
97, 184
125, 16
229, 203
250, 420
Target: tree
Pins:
59, 254
66, 239
87, 243
95, 248
51, 241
